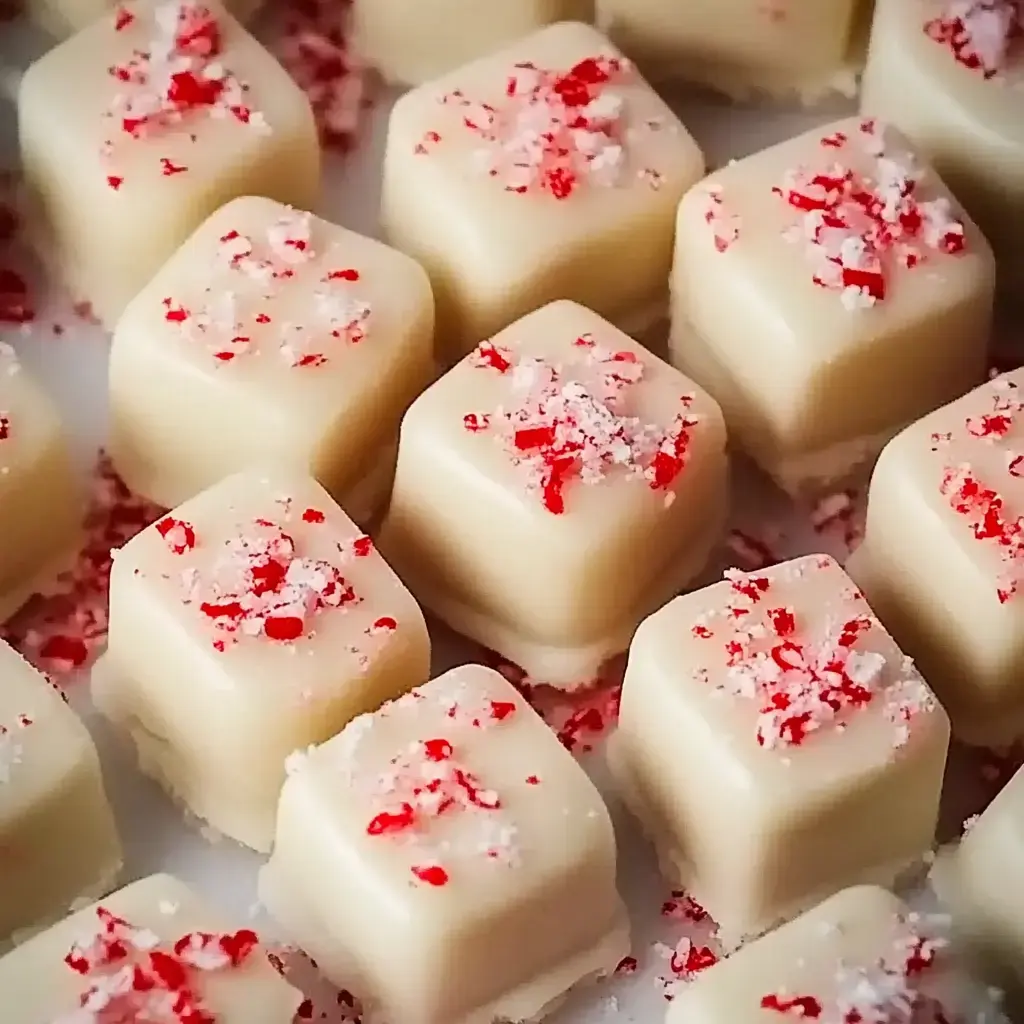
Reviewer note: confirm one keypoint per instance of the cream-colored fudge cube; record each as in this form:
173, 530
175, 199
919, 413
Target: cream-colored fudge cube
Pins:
950, 74
553, 489
137, 128
828, 291
151, 952
780, 47
270, 336
410, 44
861, 957
62, 18
40, 504
58, 841
449, 858
805, 727
254, 620
943, 555
547, 171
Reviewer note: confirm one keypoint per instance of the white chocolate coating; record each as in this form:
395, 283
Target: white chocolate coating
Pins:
593, 225
937, 571
252, 642
448, 857
58, 841
965, 119
552, 570
147, 174
40, 988
410, 45
779, 47
294, 341
805, 726
821, 342
862, 955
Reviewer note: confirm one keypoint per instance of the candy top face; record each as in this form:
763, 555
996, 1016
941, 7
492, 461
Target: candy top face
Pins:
571, 418
150, 954
791, 666
461, 790
986, 37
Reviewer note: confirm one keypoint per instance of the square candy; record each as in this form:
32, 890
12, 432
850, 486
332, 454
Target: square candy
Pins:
738, 47
827, 291
950, 74
554, 488
58, 841
412, 44
40, 504
137, 128
805, 726
254, 620
270, 336
62, 18
504, 223
861, 956
150, 952
943, 555
449, 858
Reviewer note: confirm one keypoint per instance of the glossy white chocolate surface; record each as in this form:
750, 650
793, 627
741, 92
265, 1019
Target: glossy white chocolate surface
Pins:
805, 726
859, 329
153, 160
255, 640
58, 841
39, 987
504, 225
943, 560
449, 854
556, 571
270, 335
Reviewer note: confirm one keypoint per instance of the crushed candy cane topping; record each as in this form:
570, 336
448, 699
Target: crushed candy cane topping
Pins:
985, 36
803, 685
131, 976
974, 494
567, 422
856, 228
168, 83
555, 132
10, 748
239, 315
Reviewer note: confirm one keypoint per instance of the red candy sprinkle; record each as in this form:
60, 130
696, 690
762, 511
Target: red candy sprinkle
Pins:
799, 1006
313, 515
180, 536
980, 34
431, 875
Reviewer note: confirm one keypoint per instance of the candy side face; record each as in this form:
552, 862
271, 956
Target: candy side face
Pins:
254, 620
481, 853
151, 951
503, 224
56, 828
156, 143
868, 292
805, 726
951, 76
552, 488
942, 554
270, 336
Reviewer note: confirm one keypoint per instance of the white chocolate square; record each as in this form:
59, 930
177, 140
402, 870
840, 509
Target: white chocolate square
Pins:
868, 292
40, 504
449, 858
778, 47
410, 44
950, 74
124, 155
805, 727
58, 841
254, 620
153, 951
943, 555
270, 336
861, 956
554, 488
503, 224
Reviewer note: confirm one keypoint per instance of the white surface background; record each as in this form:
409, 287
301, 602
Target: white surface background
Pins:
73, 368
